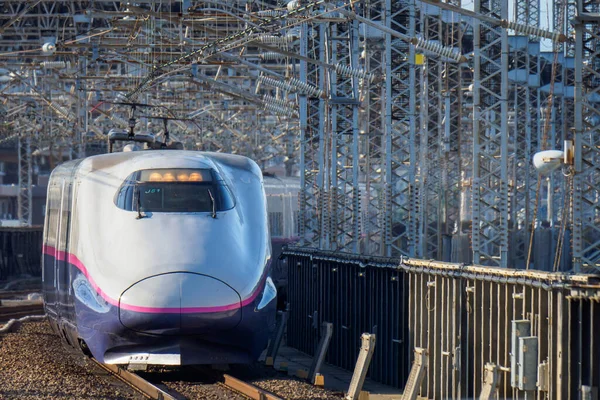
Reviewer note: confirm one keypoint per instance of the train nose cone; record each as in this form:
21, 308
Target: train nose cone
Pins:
180, 303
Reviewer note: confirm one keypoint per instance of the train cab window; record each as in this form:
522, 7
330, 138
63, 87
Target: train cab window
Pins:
174, 190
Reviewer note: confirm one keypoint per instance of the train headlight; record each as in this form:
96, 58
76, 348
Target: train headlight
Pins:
168, 177
195, 177
269, 293
155, 177
183, 177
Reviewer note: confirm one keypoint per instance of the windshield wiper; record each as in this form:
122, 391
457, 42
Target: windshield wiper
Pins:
212, 201
139, 216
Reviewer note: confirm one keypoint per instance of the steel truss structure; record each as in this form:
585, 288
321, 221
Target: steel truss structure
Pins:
411, 124
586, 181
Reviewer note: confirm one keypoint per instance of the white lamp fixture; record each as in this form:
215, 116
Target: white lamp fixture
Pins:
549, 160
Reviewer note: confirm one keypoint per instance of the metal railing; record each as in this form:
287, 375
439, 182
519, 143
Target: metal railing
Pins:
536, 331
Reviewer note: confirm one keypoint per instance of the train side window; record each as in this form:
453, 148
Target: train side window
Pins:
73, 220
65, 212
53, 215
225, 196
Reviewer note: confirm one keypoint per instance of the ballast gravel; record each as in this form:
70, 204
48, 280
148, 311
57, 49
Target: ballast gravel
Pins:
34, 364
192, 383
283, 385
189, 383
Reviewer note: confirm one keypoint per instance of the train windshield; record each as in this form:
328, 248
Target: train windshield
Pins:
174, 190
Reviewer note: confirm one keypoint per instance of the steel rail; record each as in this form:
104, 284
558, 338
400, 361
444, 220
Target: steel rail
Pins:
21, 308
12, 293
135, 381
4, 317
238, 385
247, 389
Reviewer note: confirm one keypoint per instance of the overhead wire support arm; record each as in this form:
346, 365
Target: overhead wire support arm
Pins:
418, 42
519, 28
244, 36
339, 68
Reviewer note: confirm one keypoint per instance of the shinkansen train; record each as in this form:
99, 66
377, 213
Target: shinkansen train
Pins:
159, 257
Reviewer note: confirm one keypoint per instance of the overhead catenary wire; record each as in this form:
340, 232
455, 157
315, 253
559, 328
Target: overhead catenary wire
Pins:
241, 37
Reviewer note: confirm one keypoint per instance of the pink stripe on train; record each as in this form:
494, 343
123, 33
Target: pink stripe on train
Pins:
73, 260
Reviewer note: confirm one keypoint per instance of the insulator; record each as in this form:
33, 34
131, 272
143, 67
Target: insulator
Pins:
55, 64
280, 110
292, 85
280, 102
270, 39
270, 13
62, 111
292, 5
533, 31
173, 84
304, 87
438, 49
271, 55
349, 71
275, 83
49, 48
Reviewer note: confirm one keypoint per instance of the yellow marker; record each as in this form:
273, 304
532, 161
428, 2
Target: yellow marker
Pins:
283, 366
419, 59
319, 380
269, 361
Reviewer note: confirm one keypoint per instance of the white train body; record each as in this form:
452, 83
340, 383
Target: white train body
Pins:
160, 257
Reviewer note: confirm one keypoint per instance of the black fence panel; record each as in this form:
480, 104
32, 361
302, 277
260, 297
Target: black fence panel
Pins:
356, 299
20, 251
466, 318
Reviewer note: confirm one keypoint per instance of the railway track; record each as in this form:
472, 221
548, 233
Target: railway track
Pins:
153, 391
34, 344
12, 294
18, 311
135, 381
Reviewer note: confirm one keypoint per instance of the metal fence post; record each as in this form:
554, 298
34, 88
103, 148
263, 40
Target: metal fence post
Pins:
417, 373
326, 332
490, 381
362, 366
273, 348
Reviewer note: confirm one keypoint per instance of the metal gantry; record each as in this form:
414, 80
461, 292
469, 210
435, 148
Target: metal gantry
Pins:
401, 125
586, 182
490, 136
411, 124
